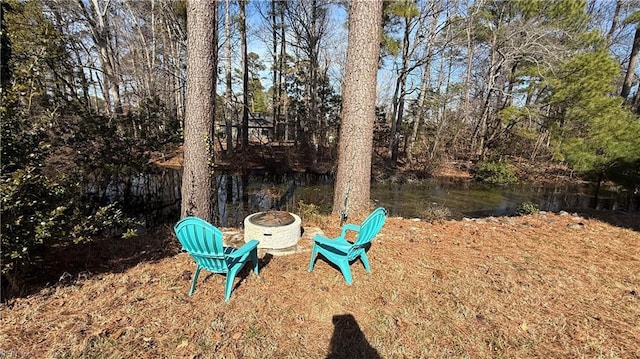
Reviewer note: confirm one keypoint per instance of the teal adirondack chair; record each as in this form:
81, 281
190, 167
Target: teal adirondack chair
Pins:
204, 243
342, 252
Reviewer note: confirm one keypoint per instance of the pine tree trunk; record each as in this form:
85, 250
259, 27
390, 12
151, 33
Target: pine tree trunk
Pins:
353, 180
200, 109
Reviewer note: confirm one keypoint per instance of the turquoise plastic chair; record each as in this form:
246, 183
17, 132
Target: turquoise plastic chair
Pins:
204, 243
341, 252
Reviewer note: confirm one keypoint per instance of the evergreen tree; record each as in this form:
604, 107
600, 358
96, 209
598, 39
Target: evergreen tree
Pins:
595, 131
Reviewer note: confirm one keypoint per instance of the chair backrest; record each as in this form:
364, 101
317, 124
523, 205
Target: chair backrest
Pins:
370, 227
203, 242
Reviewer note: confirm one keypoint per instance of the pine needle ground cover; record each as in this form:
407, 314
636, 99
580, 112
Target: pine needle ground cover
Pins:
544, 285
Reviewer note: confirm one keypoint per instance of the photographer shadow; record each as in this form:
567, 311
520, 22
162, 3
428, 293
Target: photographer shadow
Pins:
348, 341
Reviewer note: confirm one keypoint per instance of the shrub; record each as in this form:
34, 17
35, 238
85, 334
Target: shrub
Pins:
38, 210
308, 211
527, 208
495, 172
435, 213
41, 199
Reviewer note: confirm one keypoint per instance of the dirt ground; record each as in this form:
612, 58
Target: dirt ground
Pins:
551, 285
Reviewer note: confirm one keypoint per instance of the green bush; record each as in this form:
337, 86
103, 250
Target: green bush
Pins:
527, 208
41, 202
495, 172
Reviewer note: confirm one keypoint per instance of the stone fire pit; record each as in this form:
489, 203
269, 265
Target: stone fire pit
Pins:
275, 230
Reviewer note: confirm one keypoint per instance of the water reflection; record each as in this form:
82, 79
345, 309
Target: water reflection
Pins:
156, 197
476, 200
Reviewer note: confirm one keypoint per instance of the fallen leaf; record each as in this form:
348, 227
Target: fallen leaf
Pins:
183, 344
117, 334
236, 336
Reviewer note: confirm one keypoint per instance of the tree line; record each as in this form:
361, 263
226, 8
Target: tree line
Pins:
462, 79
91, 88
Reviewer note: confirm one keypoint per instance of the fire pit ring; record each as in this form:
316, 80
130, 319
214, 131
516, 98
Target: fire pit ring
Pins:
273, 229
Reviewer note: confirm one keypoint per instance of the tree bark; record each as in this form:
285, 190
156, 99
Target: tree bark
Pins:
275, 100
631, 69
228, 105
419, 118
200, 109
425, 84
282, 99
245, 76
102, 36
614, 21
442, 118
309, 22
469, 69
353, 179
399, 95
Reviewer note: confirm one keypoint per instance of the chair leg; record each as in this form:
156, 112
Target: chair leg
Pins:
314, 255
254, 259
365, 262
194, 280
346, 271
228, 287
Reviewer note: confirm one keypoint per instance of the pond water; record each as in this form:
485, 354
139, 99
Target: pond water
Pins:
470, 199
156, 197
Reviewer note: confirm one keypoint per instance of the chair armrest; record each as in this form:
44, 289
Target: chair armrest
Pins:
349, 227
338, 243
246, 248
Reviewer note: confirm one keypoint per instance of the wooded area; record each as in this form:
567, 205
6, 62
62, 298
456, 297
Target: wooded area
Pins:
94, 88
